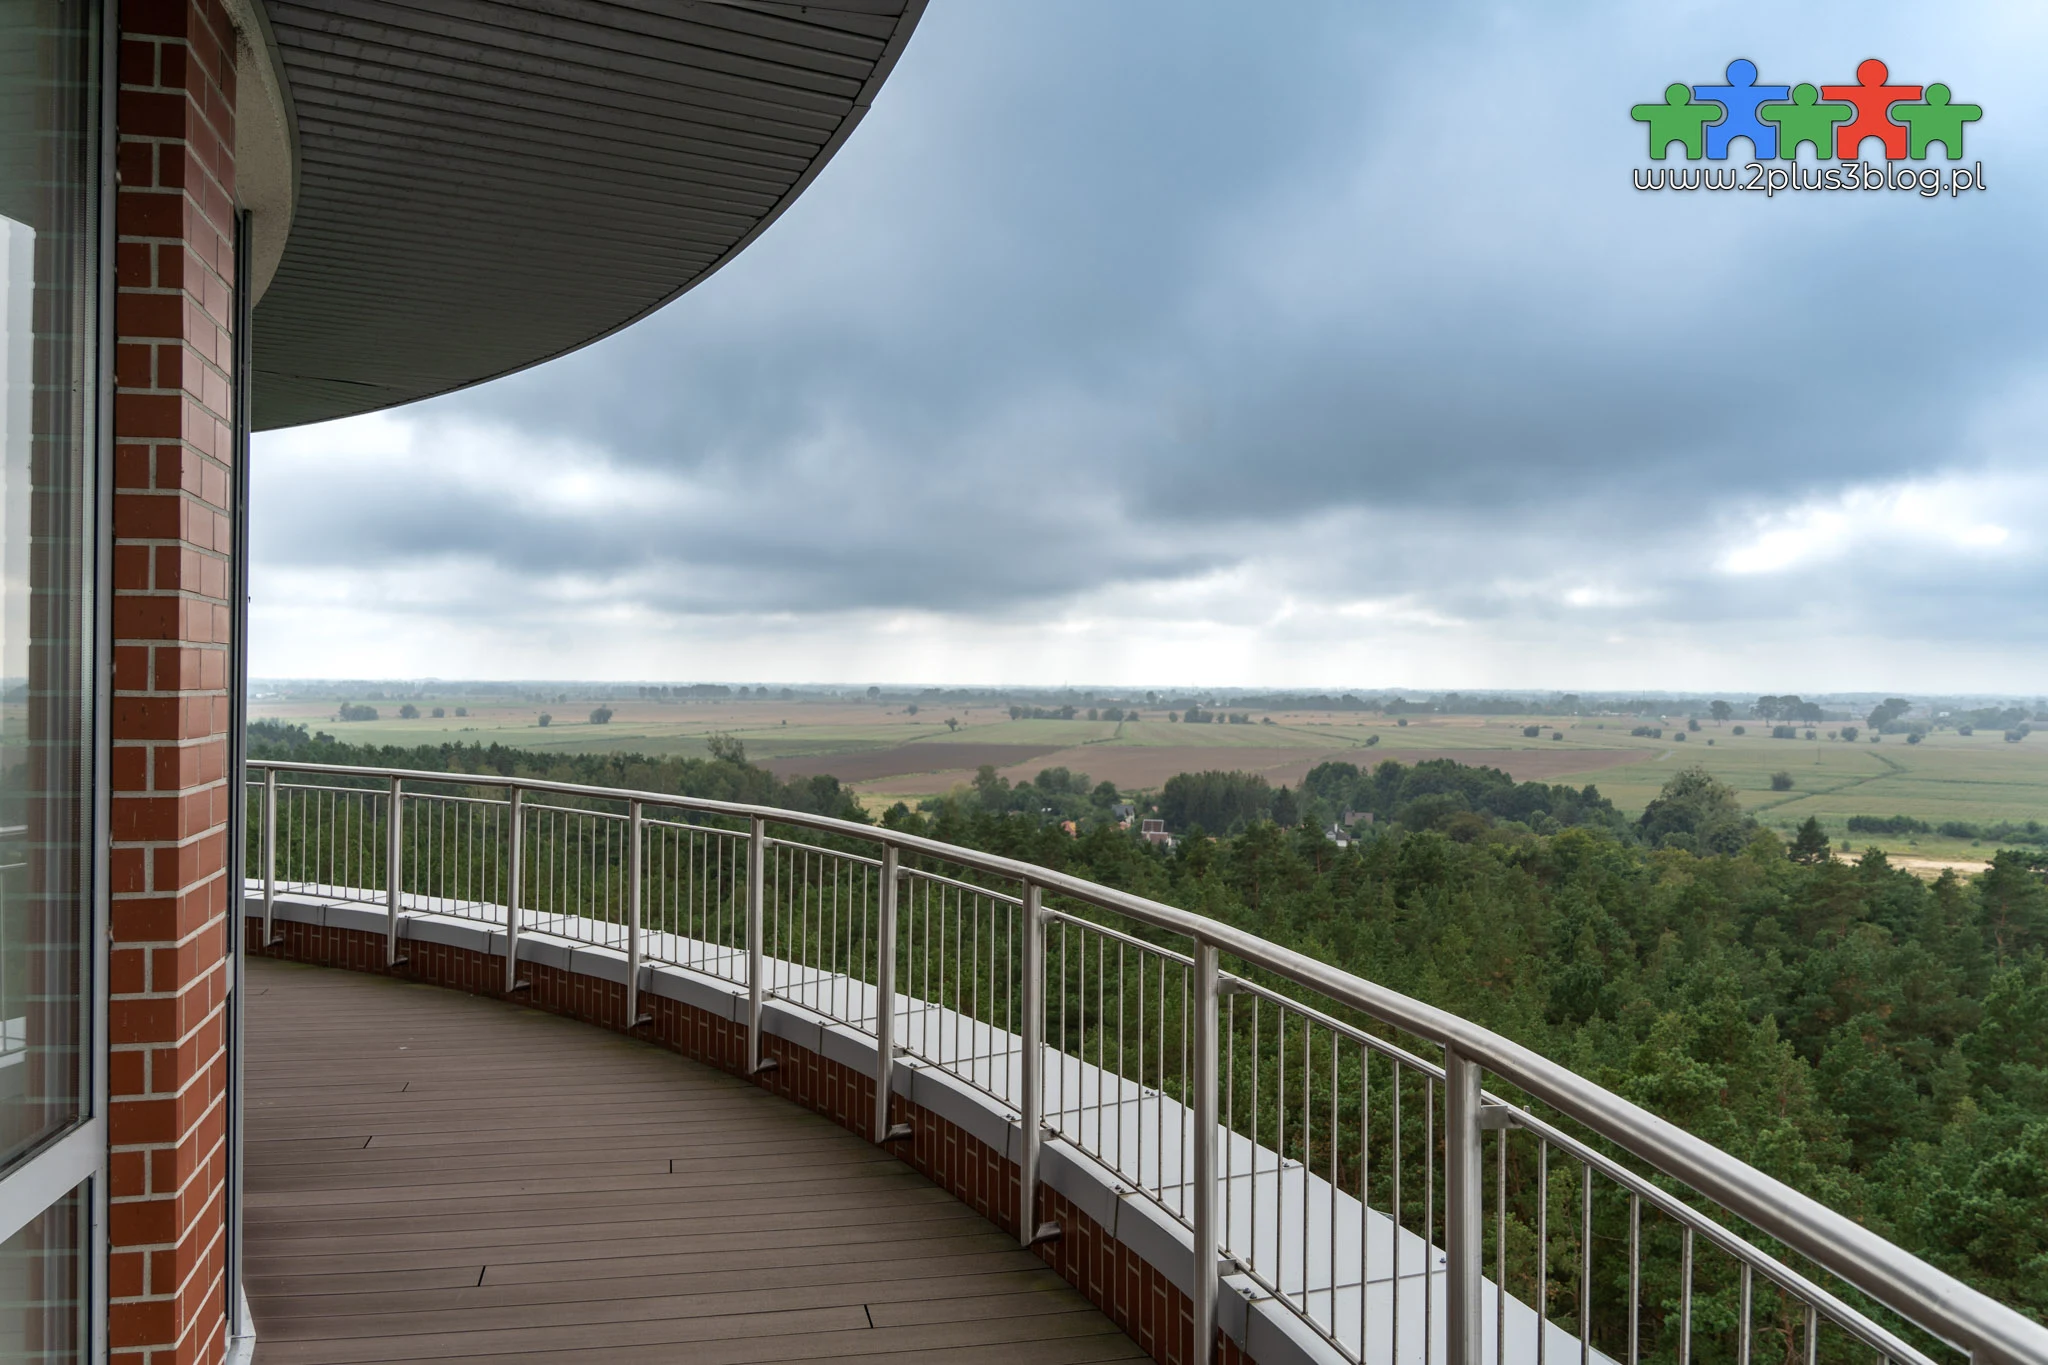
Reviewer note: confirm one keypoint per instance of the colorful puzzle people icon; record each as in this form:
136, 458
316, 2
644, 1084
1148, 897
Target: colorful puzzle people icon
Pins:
1832, 119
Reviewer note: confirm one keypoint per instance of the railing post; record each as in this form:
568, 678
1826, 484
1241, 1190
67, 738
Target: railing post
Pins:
269, 852
1464, 1212
1031, 1118
757, 863
885, 993
394, 873
1202, 1216
633, 829
515, 872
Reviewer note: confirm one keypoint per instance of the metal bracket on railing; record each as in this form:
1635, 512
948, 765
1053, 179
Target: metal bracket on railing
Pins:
1494, 1118
1047, 1232
764, 1066
899, 1133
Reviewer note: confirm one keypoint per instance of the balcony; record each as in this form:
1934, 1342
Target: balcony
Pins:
1180, 1121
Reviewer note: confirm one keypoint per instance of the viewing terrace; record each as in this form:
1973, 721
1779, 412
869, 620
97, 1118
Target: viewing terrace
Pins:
927, 1090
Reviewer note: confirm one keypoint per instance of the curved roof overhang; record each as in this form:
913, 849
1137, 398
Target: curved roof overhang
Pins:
481, 185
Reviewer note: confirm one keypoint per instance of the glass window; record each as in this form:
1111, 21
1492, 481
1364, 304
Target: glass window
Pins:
42, 1284
49, 197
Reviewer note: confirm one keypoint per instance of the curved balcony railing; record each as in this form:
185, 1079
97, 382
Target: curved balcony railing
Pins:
1321, 1136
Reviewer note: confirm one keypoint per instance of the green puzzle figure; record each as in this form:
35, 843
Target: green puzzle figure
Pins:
1936, 121
1677, 119
1805, 119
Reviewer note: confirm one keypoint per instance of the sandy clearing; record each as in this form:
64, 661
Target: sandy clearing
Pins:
1932, 868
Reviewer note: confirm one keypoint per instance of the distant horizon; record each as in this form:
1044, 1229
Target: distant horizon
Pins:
1121, 691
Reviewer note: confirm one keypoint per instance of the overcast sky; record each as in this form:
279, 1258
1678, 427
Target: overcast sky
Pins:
1281, 345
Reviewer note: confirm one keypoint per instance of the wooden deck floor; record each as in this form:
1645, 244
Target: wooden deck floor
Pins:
437, 1177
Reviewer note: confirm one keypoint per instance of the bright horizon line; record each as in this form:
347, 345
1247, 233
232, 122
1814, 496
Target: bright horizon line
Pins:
1293, 690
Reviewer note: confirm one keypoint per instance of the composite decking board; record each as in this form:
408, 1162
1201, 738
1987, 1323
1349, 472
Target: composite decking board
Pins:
787, 1251
434, 1176
775, 1337
318, 1153
511, 1229
350, 1318
683, 1330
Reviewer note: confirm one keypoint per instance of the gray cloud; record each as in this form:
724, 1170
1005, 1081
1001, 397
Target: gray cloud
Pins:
1360, 303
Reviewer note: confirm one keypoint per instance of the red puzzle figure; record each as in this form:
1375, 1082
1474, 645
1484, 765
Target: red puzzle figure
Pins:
1873, 100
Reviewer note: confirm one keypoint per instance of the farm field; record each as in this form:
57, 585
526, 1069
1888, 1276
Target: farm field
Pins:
887, 754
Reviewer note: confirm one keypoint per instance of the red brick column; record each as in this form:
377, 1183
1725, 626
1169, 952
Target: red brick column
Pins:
173, 439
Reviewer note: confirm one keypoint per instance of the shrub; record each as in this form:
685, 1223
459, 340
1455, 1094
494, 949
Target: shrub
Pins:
1742, 729
1531, 731
1913, 738
408, 712
462, 711
1849, 733
546, 720
440, 712
1783, 732
1888, 824
1781, 781
352, 711
601, 716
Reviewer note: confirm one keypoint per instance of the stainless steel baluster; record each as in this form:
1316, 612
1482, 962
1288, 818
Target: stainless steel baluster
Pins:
1542, 1250
1308, 1146
1428, 1216
1394, 1283
1336, 1074
269, 854
1635, 1277
1203, 1215
1364, 1189
516, 863
1500, 1245
1464, 1211
1742, 1324
885, 991
1586, 1264
1685, 1299
634, 1019
394, 854
757, 849
1032, 1116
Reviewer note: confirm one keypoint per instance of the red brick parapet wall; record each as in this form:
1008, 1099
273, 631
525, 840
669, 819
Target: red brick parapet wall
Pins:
1141, 1300
173, 452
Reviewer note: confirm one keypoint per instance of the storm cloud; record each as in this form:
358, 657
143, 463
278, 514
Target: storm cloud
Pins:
1300, 345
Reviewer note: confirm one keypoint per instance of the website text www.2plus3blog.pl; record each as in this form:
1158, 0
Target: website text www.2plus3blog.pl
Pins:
1767, 179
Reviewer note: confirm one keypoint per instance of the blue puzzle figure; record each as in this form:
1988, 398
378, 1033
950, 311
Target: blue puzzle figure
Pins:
1739, 98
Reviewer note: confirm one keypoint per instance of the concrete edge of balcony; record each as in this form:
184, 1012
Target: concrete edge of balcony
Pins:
1261, 1328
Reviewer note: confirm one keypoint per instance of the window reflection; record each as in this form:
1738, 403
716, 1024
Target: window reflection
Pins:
42, 1289
48, 318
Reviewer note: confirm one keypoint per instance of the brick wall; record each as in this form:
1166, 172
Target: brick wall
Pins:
173, 446
1136, 1296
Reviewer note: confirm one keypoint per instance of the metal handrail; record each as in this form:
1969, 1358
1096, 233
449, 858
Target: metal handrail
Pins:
1938, 1303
